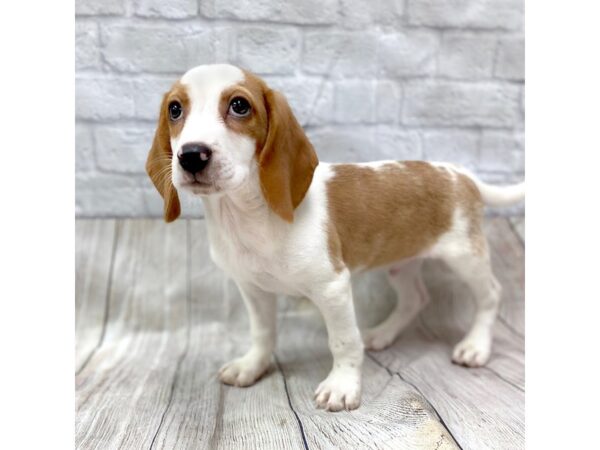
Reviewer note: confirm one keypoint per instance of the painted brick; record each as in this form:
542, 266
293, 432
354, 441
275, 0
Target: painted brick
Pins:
147, 94
502, 151
123, 148
506, 14
467, 55
391, 56
95, 7
301, 12
84, 148
170, 9
153, 206
444, 103
396, 144
340, 53
358, 14
407, 54
87, 49
388, 101
510, 59
522, 105
354, 101
454, 146
265, 50
103, 97
109, 98
343, 144
302, 95
108, 195
321, 109
158, 47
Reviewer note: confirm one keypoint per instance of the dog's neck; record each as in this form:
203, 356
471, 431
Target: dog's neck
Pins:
242, 218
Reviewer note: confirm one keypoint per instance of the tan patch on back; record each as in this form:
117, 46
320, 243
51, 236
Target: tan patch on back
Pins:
391, 212
470, 202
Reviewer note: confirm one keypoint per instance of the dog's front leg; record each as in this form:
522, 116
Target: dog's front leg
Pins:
342, 387
262, 309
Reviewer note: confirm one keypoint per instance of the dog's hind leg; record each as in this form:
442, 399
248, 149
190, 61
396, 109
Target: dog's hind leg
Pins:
412, 296
475, 270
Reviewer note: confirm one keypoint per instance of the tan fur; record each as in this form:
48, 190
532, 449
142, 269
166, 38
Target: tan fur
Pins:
285, 156
395, 211
256, 124
470, 202
287, 160
158, 164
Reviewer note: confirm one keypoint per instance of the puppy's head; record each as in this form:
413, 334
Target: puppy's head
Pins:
221, 128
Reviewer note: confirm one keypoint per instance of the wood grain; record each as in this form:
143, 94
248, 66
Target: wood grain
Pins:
204, 413
393, 414
482, 408
156, 319
518, 223
123, 391
508, 263
93, 264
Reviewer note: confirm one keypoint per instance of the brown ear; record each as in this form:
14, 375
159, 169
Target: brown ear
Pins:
158, 165
287, 161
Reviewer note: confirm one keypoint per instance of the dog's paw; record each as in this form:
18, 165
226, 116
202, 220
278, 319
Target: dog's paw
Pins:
378, 338
340, 390
244, 371
472, 352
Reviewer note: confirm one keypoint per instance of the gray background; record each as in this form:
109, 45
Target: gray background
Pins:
403, 79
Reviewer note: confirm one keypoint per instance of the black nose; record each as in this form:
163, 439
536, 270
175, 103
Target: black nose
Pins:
194, 157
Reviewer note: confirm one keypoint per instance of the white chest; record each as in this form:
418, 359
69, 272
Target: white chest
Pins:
252, 244
251, 250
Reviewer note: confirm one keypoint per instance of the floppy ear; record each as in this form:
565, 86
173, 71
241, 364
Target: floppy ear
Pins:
158, 165
287, 161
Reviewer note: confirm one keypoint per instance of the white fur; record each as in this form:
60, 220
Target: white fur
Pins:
267, 256
500, 195
232, 152
491, 195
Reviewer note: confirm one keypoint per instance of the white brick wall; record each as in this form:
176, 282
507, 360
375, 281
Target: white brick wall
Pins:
369, 79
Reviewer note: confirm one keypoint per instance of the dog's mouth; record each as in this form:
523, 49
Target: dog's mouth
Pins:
200, 187
205, 183
200, 183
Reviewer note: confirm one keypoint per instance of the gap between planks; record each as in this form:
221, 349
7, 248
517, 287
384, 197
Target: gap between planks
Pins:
177, 375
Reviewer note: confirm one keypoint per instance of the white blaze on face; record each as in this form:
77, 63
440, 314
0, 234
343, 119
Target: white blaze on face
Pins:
204, 86
231, 152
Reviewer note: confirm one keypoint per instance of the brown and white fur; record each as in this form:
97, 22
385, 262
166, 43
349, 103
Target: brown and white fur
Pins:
281, 222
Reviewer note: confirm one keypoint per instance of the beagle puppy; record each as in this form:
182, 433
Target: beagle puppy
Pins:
281, 222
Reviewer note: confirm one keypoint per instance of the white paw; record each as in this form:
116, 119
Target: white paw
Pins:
244, 371
340, 390
378, 338
472, 352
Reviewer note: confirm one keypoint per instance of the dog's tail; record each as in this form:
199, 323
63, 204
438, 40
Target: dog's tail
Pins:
498, 195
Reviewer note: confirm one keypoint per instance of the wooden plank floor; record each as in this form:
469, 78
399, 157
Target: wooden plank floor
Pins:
155, 319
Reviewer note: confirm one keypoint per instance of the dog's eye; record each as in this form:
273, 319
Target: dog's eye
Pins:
175, 110
239, 107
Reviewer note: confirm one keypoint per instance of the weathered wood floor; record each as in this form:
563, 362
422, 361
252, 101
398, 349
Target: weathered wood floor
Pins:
155, 319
